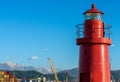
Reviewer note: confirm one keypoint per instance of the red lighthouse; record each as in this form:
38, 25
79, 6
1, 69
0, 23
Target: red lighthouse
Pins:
94, 64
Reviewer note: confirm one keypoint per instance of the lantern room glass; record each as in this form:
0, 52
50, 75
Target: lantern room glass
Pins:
93, 16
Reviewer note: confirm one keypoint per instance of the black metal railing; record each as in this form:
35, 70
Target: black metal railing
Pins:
80, 30
107, 30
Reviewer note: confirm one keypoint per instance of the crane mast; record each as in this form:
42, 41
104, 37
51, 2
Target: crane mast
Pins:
53, 69
66, 80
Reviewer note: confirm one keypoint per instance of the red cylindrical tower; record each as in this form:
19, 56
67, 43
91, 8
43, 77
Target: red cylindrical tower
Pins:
94, 64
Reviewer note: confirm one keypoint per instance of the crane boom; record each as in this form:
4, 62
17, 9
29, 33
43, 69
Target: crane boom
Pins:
53, 70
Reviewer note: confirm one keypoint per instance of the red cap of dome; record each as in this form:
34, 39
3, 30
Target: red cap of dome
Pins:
93, 10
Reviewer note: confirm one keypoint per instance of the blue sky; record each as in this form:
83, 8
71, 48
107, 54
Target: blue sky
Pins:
33, 30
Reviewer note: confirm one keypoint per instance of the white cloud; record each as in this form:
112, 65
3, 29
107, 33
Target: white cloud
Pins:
33, 58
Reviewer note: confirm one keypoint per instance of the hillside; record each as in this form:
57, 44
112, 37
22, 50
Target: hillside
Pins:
27, 74
34, 74
73, 74
116, 74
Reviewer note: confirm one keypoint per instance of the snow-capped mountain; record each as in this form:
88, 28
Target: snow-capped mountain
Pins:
14, 66
43, 70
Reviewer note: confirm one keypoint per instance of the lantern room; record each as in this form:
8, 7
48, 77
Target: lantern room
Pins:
93, 14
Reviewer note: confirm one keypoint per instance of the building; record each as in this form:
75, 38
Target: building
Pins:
7, 77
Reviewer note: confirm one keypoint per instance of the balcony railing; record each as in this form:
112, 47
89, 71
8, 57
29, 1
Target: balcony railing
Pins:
80, 30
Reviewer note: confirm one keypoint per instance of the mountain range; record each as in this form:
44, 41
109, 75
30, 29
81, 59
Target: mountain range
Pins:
14, 66
10, 66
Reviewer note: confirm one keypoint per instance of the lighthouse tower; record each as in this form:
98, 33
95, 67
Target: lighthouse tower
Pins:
94, 63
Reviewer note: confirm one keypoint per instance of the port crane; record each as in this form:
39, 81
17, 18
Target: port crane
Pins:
66, 80
53, 69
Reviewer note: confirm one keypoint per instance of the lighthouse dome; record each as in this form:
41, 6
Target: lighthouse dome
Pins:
93, 14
